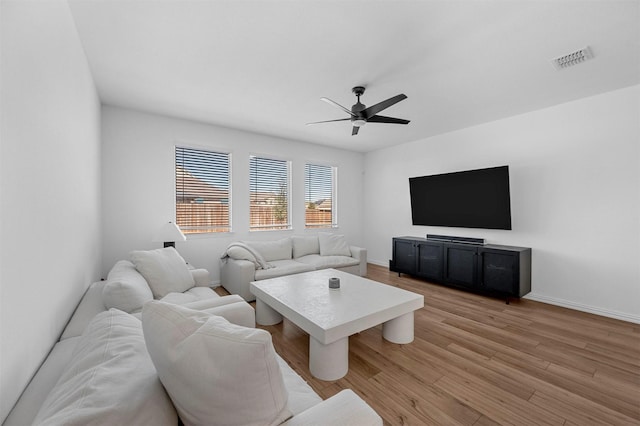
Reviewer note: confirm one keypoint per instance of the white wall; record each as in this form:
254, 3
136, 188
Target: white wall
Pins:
575, 196
49, 180
138, 190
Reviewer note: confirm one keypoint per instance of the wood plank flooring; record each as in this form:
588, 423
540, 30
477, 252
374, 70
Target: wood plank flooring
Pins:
478, 361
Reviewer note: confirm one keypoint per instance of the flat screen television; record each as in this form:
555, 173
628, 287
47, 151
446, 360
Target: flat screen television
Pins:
469, 199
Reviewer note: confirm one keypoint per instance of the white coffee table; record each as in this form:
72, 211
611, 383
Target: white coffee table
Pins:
330, 316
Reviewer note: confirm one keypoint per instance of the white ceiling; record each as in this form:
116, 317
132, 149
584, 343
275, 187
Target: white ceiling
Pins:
263, 66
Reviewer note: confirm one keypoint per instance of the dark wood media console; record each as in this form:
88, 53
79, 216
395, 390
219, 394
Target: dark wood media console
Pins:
503, 271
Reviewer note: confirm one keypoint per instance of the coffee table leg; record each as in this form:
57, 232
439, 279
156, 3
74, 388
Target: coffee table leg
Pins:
329, 362
399, 330
265, 314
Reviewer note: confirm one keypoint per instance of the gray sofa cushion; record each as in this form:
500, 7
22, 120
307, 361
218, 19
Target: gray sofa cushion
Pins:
303, 246
126, 289
301, 395
25, 410
109, 379
191, 295
90, 305
283, 267
324, 262
273, 250
164, 270
333, 245
216, 373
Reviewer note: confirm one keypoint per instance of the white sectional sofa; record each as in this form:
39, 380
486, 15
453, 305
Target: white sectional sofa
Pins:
244, 262
101, 370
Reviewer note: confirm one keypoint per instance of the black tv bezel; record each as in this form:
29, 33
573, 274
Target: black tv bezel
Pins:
505, 222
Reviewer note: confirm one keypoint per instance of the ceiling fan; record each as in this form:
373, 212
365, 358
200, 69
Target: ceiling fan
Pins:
361, 115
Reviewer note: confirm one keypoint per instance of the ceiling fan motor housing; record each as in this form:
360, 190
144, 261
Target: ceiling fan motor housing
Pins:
358, 106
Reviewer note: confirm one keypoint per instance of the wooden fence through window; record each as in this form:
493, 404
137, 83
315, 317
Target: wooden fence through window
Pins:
195, 218
314, 218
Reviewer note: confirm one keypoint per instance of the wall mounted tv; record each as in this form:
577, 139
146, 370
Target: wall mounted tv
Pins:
469, 199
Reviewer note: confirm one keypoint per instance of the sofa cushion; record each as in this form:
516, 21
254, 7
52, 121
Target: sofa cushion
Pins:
216, 373
324, 262
109, 379
282, 267
301, 395
90, 305
273, 250
164, 269
125, 288
192, 295
303, 246
333, 245
201, 276
26, 409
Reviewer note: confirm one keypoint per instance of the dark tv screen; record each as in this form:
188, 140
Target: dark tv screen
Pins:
470, 199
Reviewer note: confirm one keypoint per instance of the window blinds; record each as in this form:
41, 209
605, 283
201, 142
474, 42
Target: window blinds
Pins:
319, 196
269, 194
203, 198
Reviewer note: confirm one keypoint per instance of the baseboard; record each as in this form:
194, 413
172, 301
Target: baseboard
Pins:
584, 308
561, 302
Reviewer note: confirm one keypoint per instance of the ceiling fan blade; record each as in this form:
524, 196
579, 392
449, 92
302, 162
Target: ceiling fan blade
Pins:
383, 119
355, 130
329, 101
329, 121
374, 109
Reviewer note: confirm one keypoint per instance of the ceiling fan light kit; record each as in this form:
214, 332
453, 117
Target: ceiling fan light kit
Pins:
361, 115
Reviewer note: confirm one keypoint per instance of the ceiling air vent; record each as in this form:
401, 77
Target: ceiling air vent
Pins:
572, 59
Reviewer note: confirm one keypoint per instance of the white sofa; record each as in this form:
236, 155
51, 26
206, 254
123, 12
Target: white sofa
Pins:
244, 262
91, 377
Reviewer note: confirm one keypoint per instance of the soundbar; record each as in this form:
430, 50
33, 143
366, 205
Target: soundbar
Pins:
453, 239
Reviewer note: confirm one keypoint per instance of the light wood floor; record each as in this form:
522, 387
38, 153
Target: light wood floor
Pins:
478, 361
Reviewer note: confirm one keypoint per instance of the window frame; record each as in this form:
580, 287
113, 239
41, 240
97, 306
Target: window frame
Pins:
334, 195
208, 149
288, 181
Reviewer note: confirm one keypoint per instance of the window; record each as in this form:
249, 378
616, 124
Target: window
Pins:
269, 194
319, 196
203, 202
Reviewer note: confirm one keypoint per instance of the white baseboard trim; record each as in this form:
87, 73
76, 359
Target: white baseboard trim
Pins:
561, 302
584, 308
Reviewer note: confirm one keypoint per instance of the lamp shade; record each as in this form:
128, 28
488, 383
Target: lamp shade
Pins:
169, 232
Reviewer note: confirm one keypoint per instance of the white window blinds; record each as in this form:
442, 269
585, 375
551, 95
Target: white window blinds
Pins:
320, 196
269, 205
203, 196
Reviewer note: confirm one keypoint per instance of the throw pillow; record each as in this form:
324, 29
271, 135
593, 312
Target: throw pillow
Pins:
164, 269
303, 246
273, 250
125, 288
215, 372
109, 379
333, 245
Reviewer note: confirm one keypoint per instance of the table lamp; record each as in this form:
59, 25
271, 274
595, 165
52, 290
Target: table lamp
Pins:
169, 234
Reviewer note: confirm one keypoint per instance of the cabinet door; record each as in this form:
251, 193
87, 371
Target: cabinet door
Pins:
404, 257
460, 264
430, 260
499, 271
